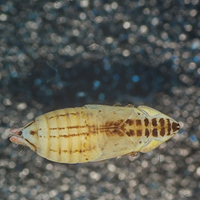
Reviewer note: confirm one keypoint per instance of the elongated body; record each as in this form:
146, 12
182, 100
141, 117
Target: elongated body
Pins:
95, 132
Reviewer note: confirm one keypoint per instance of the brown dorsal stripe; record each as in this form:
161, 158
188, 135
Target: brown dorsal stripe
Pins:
162, 132
139, 132
58, 128
147, 133
169, 127
162, 122
146, 122
138, 122
154, 122
155, 132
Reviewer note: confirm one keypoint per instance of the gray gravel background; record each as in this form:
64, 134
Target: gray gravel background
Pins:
56, 54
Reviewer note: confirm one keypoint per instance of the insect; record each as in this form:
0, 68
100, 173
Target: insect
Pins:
95, 132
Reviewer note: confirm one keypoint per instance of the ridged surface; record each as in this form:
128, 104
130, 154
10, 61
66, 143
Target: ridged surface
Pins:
69, 134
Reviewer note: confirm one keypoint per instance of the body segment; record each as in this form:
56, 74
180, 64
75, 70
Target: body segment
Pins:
95, 132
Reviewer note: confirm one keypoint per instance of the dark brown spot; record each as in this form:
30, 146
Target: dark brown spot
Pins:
139, 132
32, 132
155, 132
154, 122
130, 122
162, 132
175, 126
130, 133
146, 122
138, 122
162, 122
147, 133
115, 131
138, 113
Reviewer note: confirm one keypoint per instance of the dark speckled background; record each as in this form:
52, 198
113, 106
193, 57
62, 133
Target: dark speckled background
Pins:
56, 54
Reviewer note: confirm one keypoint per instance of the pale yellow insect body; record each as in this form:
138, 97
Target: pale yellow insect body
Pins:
95, 132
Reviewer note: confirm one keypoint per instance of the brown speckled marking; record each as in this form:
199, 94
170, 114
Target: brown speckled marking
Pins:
138, 122
155, 132
147, 133
162, 122
113, 124
112, 128
162, 132
146, 122
130, 133
154, 122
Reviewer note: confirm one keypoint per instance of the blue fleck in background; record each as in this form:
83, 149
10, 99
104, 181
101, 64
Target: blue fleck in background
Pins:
57, 54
